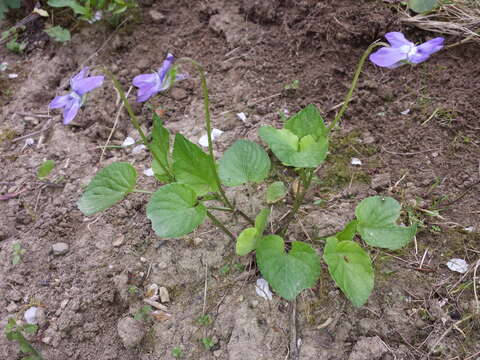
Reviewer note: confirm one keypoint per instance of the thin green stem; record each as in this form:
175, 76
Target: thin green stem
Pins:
135, 123
306, 176
208, 125
219, 208
235, 210
142, 191
220, 225
358, 71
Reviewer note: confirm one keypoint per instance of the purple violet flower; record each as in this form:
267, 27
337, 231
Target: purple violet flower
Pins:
151, 84
71, 103
403, 51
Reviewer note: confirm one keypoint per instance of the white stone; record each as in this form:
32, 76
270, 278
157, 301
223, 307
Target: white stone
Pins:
31, 315
356, 161
138, 149
263, 290
128, 141
60, 248
204, 138
458, 265
148, 172
164, 295
242, 117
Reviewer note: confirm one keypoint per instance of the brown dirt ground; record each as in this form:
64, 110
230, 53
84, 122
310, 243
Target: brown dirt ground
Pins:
427, 159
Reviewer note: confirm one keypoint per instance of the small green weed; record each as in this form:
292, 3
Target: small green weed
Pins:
208, 343
143, 313
205, 320
177, 353
14, 332
18, 251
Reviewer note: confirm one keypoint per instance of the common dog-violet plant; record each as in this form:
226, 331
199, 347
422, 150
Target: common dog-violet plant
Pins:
193, 180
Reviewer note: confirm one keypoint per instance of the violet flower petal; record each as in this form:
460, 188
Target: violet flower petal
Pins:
82, 74
145, 80
59, 101
426, 49
165, 68
150, 84
387, 57
69, 112
397, 39
87, 84
146, 92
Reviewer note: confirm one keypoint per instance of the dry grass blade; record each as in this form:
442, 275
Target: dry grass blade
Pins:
459, 17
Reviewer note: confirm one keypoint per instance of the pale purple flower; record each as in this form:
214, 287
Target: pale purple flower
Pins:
403, 51
71, 103
151, 84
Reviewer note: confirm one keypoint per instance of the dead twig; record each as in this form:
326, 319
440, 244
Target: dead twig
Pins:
114, 125
44, 128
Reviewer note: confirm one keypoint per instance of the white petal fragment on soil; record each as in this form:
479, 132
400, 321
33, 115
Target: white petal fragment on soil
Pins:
128, 141
204, 139
356, 161
458, 265
405, 112
263, 290
148, 172
242, 117
31, 315
137, 149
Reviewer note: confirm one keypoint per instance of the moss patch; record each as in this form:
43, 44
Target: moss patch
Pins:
338, 171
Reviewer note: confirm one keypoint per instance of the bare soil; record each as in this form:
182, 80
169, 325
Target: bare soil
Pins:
427, 158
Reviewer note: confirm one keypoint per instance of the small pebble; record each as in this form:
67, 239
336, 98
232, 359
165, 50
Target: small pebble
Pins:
157, 16
60, 248
12, 307
178, 94
118, 241
164, 295
30, 315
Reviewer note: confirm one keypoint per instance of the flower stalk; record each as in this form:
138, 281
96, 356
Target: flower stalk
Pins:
356, 76
208, 126
135, 123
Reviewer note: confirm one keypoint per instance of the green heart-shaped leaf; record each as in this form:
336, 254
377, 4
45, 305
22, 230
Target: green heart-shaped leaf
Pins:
351, 268
275, 192
248, 238
292, 151
109, 186
376, 223
174, 211
348, 232
246, 241
421, 6
160, 146
192, 166
261, 220
307, 121
287, 273
244, 162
